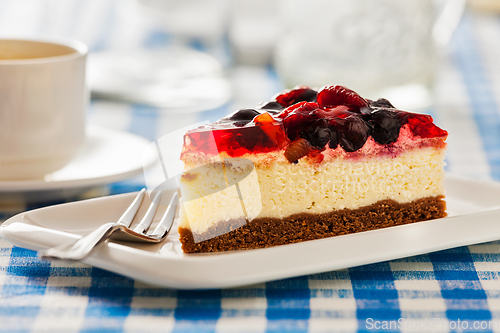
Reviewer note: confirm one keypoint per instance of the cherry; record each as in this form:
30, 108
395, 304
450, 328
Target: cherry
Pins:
332, 96
297, 94
297, 117
303, 108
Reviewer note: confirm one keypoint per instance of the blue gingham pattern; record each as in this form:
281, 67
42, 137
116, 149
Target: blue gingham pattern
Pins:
448, 291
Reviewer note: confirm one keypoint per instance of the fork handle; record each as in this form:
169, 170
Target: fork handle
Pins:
82, 247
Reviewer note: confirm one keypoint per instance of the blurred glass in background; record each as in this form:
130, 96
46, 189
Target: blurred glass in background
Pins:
179, 54
386, 48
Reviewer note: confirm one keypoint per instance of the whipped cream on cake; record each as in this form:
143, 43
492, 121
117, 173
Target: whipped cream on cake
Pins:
307, 165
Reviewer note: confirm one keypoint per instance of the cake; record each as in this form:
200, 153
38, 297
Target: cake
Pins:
308, 164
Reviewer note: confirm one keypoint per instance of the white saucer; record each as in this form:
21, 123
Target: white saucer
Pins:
107, 156
177, 79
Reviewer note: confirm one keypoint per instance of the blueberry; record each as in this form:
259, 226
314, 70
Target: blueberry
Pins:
273, 105
386, 125
317, 133
239, 118
381, 103
245, 114
334, 138
321, 137
353, 132
296, 95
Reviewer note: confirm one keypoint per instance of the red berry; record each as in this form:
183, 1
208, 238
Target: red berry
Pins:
297, 94
296, 117
302, 108
331, 96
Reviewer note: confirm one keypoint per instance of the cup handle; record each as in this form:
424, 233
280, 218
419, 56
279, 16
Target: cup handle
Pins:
447, 21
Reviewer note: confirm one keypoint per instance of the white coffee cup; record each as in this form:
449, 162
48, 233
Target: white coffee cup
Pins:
43, 101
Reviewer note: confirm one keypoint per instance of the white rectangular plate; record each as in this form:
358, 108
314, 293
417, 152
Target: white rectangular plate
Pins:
474, 217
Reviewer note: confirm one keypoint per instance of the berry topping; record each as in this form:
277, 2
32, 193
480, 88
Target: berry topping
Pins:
306, 122
423, 126
352, 130
245, 114
331, 96
297, 117
240, 118
264, 119
302, 108
334, 138
297, 150
381, 103
317, 133
273, 105
272, 128
385, 125
297, 94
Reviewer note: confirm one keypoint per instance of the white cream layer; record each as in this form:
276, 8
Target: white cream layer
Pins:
283, 189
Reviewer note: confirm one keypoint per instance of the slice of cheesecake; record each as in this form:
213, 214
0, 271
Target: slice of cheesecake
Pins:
307, 165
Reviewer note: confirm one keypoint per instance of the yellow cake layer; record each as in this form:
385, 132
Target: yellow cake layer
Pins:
238, 189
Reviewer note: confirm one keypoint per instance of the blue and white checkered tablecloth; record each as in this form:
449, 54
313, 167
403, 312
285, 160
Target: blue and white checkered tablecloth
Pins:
448, 291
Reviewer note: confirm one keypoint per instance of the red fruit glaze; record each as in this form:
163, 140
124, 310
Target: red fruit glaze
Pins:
294, 127
264, 136
302, 108
422, 125
272, 128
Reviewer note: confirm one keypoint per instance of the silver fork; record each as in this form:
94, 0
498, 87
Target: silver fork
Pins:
120, 230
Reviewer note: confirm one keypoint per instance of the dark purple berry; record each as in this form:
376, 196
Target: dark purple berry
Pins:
308, 95
273, 105
240, 123
334, 138
321, 137
353, 132
239, 118
317, 133
385, 126
381, 103
245, 114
